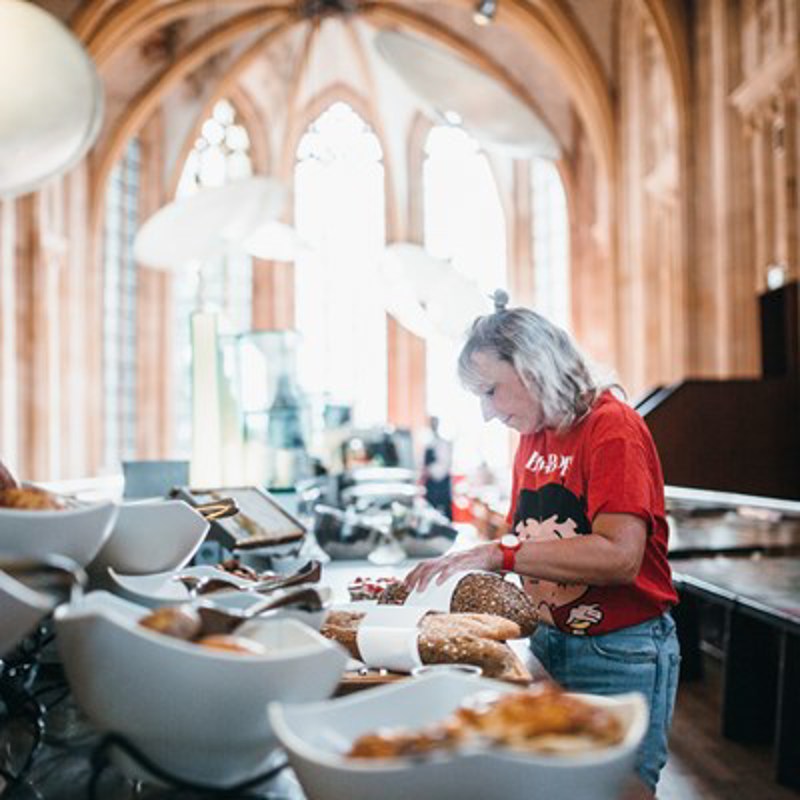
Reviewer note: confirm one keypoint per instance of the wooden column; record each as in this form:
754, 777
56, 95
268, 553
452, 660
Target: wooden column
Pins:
521, 279
790, 179
273, 295
38, 264
154, 314
9, 380
407, 365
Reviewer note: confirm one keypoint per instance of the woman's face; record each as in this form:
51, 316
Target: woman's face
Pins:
503, 394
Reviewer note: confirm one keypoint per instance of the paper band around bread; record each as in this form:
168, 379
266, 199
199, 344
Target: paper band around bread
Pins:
477, 639
387, 637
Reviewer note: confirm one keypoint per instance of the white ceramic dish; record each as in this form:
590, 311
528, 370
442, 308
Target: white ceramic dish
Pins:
152, 537
198, 713
21, 609
154, 591
76, 533
163, 588
316, 736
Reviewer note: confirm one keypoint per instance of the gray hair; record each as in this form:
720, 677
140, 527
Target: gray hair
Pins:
544, 356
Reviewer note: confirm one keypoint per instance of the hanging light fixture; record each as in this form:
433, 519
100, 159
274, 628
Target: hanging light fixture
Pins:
455, 91
428, 295
212, 221
51, 98
484, 12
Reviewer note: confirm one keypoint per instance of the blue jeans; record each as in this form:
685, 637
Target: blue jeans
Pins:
643, 658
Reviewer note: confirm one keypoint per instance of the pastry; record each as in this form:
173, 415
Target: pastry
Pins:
232, 644
369, 588
30, 498
180, 622
542, 719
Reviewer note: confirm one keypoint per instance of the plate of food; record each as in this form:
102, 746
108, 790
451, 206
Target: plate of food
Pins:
106, 643
461, 736
228, 583
36, 524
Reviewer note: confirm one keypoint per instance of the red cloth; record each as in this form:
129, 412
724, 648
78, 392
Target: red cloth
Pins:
607, 463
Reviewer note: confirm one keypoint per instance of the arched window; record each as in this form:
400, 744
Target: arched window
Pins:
464, 223
550, 242
121, 222
220, 154
339, 213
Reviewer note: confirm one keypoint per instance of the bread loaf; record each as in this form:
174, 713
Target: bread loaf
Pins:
481, 593
444, 639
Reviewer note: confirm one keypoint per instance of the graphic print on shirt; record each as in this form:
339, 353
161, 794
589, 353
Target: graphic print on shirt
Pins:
547, 514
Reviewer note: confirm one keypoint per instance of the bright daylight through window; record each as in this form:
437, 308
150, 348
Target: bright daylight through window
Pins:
464, 223
220, 154
339, 213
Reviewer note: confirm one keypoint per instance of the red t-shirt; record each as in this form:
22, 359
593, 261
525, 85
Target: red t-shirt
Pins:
607, 463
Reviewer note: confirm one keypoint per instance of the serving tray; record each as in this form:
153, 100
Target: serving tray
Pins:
355, 680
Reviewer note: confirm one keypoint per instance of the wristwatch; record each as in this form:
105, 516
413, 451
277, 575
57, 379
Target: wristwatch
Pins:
509, 544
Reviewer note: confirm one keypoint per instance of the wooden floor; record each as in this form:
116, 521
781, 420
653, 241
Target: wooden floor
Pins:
703, 765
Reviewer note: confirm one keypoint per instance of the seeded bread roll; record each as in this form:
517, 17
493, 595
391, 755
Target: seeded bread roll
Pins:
481, 593
444, 639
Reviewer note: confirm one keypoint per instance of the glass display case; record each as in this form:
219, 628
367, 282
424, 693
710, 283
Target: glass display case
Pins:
276, 414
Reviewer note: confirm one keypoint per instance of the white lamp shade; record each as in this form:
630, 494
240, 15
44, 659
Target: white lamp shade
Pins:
51, 99
202, 225
457, 92
399, 297
427, 295
273, 241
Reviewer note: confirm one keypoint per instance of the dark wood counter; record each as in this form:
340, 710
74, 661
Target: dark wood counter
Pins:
731, 533
759, 600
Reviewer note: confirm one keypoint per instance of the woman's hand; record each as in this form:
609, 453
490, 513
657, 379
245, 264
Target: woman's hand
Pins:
481, 557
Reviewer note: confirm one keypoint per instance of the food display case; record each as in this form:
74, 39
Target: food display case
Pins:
277, 424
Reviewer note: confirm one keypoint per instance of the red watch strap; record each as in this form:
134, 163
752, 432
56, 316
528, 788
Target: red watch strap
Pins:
509, 558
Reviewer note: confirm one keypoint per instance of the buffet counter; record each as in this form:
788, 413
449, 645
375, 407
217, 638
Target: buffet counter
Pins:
72, 761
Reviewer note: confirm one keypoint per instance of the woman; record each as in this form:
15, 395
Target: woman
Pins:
588, 516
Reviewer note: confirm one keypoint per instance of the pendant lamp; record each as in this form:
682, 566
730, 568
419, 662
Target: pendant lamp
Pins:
51, 98
456, 92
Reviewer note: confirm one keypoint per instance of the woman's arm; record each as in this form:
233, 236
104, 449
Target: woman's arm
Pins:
611, 554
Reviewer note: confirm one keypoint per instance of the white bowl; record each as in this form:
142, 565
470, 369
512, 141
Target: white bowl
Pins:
152, 537
77, 533
163, 588
200, 714
21, 609
317, 736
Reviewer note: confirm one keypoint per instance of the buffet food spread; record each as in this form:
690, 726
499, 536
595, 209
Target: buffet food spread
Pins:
236, 636
541, 720
478, 639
